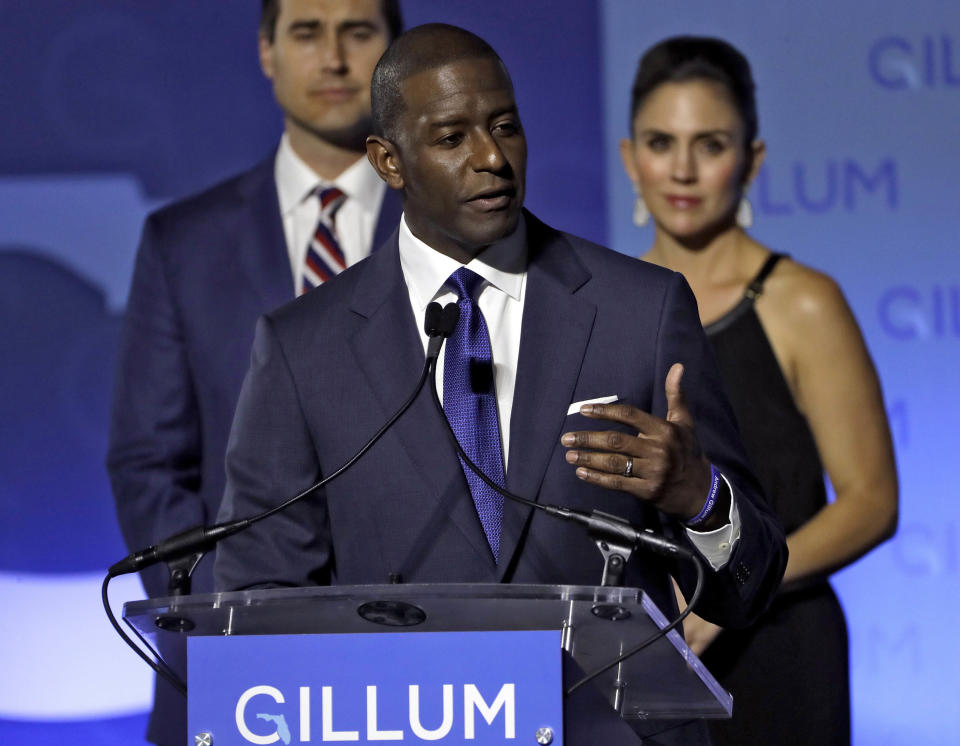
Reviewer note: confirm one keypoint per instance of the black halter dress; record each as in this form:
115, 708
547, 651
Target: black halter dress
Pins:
789, 672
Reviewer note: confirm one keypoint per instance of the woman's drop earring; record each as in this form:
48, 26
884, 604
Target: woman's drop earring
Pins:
744, 213
641, 215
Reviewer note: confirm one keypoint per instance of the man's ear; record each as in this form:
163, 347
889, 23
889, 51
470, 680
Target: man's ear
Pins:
265, 47
382, 155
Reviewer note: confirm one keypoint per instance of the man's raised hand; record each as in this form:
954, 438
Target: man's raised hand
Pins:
662, 463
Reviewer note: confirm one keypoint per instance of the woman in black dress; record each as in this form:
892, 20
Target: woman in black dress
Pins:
798, 375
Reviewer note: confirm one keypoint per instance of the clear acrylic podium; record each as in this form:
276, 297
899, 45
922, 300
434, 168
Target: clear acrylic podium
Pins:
662, 684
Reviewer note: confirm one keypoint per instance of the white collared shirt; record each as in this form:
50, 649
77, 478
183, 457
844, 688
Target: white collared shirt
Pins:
356, 219
503, 267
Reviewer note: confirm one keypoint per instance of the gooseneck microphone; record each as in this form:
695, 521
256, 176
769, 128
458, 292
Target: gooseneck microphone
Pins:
603, 527
439, 324
193, 543
615, 537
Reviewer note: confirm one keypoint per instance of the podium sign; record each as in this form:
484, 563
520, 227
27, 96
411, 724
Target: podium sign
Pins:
659, 688
440, 687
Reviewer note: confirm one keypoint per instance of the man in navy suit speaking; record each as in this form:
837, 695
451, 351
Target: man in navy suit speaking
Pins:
566, 322
208, 266
576, 375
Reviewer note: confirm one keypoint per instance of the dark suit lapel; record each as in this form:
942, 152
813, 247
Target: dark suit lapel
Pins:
390, 211
389, 354
261, 245
553, 339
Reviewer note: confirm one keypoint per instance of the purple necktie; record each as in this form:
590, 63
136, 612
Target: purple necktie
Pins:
470, 403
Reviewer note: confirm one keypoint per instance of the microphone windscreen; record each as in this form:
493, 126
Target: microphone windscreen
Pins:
451, 315
433, 320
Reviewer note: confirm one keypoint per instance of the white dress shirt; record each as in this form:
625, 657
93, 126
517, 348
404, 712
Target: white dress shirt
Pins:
356, 220
503, 267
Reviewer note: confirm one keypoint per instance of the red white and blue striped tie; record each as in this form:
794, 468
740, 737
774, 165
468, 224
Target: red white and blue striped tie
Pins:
324, 255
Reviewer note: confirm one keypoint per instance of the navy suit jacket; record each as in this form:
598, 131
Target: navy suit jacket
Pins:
328, 369
206, 269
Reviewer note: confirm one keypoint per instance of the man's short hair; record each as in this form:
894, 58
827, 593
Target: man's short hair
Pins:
389, 8
421, 48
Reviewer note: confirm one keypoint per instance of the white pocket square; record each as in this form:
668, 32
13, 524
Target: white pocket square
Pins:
575, 407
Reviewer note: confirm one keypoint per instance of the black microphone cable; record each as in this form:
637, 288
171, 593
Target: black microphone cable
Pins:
159, 666
597, 523
439, 323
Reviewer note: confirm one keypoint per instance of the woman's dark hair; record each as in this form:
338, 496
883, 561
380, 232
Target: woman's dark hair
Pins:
683, 58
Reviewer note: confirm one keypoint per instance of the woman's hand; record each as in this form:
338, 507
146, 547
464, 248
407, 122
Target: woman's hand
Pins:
697, 631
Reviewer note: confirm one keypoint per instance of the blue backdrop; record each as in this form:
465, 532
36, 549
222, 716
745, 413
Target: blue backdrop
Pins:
111, 109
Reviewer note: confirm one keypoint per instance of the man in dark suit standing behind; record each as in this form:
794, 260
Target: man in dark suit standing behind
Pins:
552, 329
209, 265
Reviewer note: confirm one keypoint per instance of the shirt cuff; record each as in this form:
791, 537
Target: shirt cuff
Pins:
717, 546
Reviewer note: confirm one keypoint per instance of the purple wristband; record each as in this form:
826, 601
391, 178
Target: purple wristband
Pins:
711, 502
